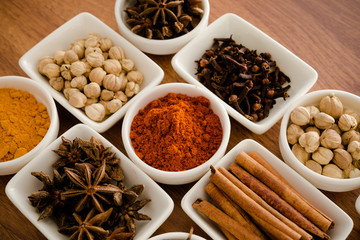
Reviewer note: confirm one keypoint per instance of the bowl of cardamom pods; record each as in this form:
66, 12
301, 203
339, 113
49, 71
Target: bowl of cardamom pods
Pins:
91, 70
320, 139
161, 27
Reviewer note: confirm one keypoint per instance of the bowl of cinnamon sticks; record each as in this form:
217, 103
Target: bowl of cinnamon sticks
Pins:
252, 194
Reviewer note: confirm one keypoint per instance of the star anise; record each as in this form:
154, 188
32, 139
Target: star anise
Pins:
48, 198
128, 210
162, 8
87, 184
97, 153
89, 228
83, 184
163, 19
69, 152
121, 233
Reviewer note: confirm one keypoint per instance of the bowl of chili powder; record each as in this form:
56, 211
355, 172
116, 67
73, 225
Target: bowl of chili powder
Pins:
175, 131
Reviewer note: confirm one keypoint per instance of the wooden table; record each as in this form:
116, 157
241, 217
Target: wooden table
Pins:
325, 34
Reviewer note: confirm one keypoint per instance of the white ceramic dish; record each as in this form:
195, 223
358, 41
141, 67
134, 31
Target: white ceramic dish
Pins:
182, 177
357, 204
176, 236
23, 184
302, 76
343, 223
41, 95
322, 182
155, 46
79, 27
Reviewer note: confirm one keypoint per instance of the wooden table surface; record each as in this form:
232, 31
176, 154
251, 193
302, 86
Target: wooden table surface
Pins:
325, 34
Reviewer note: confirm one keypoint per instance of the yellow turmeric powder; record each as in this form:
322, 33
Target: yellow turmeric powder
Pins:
23, 123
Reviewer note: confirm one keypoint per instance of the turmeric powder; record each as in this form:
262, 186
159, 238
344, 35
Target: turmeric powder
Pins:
23, 123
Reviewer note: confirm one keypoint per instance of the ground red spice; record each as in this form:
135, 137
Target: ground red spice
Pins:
176, 132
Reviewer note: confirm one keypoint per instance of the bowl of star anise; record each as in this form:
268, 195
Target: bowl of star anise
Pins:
161, 27
82, 187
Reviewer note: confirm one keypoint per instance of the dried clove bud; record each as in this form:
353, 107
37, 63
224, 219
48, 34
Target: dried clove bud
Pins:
229, 69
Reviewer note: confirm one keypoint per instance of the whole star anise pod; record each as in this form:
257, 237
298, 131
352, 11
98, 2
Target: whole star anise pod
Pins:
48, 198
69, 152
87, 185
163, 19
89, 228
121, 233
126, 210
97, 153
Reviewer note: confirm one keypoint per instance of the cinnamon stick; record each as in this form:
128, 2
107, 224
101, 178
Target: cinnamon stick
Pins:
275, 201
250, 206
223, 220
260, 201
272, 231
227, 234
284, 191
256, 156
231, 209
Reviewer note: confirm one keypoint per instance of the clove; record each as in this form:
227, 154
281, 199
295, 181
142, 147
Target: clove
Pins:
248, 81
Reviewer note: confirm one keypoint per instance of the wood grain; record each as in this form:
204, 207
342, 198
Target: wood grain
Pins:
325, 34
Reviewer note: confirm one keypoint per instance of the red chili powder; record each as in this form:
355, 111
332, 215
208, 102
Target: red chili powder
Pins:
176, 132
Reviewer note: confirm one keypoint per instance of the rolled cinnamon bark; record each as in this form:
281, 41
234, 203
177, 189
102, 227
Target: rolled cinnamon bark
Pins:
260, 201
274, 233
283, 190
256, 156
232, 210
223, 220
227, 234
275, 201
250, 206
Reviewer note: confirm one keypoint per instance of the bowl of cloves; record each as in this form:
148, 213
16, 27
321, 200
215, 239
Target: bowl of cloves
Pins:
320, 139
255, 77
161, 27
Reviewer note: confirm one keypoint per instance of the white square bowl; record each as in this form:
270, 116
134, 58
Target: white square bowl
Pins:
79, 27
302, 76
23, 184
343, 223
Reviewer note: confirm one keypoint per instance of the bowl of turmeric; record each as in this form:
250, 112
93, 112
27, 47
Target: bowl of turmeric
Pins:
28, 122
175, 131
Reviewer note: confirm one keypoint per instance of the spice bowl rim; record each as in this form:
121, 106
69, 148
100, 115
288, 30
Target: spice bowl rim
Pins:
41, 95
320, 181
186, 176
302, 76
176, 236
23, 183
343, 222
159, 46
78, 27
